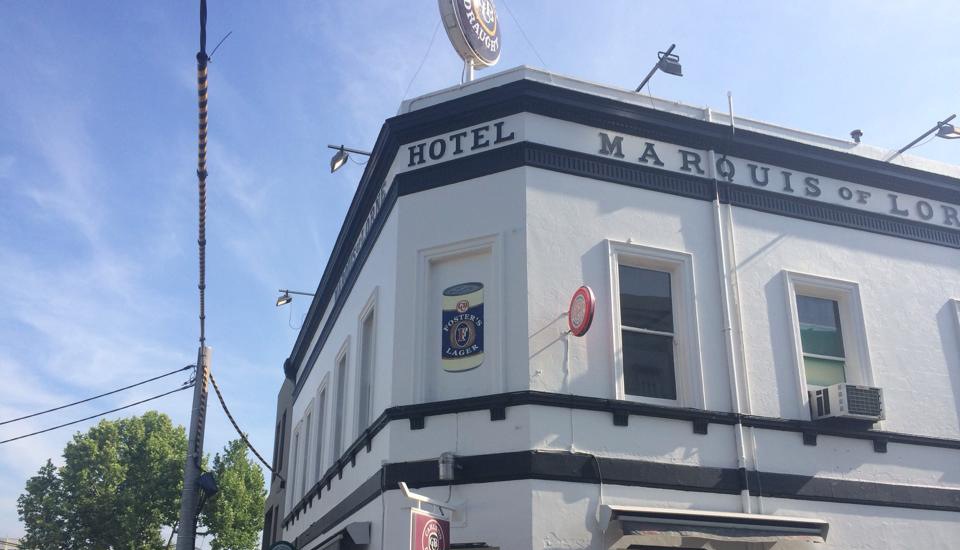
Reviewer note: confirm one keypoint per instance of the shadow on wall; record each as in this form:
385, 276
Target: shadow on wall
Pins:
781, 338
948, 321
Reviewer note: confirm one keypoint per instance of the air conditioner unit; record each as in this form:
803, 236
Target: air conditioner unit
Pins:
847, 401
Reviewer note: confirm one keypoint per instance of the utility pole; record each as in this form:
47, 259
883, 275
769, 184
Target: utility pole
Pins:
187, 526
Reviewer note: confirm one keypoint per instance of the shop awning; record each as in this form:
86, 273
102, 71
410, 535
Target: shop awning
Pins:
354, 535
633, 525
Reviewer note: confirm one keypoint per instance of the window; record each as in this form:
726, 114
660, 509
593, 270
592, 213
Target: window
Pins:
293, 467
821, 338
365, 371
656, 345
306, 451
829, 336
341, 395
646, 322
278, 442
321, 415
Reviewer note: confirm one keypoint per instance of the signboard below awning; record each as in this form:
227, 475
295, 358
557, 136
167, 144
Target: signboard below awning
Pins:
632, 525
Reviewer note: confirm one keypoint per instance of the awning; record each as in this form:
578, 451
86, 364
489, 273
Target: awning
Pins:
634, 525
354, 535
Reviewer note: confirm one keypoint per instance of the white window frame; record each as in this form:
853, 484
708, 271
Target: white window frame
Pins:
857, 367
370, 308
293, 463
321, 414
338, 447
687, 363
305, 469
955, 306
493, 302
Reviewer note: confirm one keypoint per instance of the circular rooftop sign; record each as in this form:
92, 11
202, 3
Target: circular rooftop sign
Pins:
473, 29
580, 314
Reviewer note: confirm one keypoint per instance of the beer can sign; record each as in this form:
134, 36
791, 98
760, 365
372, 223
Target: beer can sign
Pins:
580, 314
428, 532
461, 340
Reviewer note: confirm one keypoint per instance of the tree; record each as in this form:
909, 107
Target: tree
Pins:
120, 486
40, 510
235, 514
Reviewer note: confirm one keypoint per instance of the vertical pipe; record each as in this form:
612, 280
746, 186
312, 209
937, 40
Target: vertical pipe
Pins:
729, 344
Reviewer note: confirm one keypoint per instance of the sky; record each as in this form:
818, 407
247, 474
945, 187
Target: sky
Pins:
98, 190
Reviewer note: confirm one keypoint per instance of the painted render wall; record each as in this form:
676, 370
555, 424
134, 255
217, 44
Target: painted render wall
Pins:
544, 234
905, 288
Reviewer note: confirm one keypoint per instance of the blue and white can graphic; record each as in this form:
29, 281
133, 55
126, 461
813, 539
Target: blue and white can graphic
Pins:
461, 339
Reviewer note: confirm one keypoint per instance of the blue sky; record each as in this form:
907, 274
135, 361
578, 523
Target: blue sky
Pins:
98, 150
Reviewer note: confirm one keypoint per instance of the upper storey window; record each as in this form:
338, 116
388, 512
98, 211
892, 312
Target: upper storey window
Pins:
829, 334
821, 337
646, 321
656, 346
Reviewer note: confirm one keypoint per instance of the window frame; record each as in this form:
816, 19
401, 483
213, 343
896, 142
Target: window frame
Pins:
857, 367
369, 309
687, 363
322, 399
339, 444
305, 469
292, 497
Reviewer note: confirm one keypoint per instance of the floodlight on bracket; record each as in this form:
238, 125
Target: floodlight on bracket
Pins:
667, 62
341, 156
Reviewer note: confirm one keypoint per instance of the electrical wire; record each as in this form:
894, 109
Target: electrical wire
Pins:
243, 436
98, 415
97, 396
524, 34
422, 61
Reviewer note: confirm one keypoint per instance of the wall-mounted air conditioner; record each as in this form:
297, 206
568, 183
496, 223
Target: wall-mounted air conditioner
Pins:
847, 401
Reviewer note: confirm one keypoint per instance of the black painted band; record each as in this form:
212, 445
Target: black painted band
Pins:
585, 468
614, 407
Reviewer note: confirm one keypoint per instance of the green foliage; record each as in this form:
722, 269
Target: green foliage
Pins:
235, 513
40, 510
120, 486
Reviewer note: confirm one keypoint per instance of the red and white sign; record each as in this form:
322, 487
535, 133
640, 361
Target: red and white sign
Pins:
580, 314
428, 531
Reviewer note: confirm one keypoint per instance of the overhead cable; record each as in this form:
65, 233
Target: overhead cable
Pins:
97, 396
243, 436
97, 415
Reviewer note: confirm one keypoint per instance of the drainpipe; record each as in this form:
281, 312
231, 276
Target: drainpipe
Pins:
729, 343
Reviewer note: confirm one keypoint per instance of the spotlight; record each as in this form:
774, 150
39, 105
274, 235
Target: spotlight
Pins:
667, 63
341, 156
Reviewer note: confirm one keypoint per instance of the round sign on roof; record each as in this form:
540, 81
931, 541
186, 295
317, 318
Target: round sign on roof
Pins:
473, 29
580, 314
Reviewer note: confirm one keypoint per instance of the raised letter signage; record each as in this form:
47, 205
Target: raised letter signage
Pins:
473, 29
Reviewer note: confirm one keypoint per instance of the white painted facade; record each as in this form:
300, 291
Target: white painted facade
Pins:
532, 235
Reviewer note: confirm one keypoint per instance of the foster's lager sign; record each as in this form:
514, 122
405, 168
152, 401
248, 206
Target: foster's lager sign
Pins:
461, 338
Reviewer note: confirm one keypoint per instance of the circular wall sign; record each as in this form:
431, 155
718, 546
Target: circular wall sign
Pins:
580, 314
473, 29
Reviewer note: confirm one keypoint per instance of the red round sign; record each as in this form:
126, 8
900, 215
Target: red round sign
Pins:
580, 314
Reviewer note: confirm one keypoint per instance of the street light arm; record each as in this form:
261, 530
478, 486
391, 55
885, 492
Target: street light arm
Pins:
655, 67
925, 134
349, 150
285, 291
